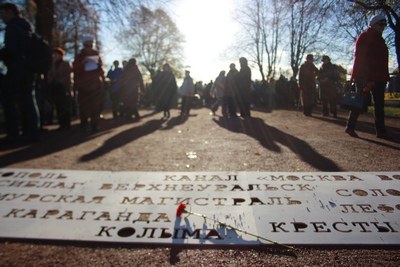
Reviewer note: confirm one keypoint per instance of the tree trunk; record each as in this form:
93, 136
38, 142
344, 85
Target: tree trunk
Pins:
397, 44
45, 19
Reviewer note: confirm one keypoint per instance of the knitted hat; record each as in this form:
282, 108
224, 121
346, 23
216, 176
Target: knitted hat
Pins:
377, 18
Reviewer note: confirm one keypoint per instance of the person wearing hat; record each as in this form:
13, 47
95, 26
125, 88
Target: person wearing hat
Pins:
307, 75
59, 81
370, 73
89, 80
328, 77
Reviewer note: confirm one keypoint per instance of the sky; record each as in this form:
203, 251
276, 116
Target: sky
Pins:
209, 30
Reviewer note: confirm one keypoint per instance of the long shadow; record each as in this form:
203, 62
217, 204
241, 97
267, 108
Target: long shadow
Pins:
366, 127
269, 137
122, 139
175, 121
51, 142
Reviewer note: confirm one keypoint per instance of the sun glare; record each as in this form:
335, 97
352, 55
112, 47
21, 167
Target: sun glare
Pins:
209, 30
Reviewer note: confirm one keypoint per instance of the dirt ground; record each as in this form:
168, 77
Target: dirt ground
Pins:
282, 140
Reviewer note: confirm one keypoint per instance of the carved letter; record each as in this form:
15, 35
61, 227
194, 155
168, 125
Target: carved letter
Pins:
275, 227
105, 229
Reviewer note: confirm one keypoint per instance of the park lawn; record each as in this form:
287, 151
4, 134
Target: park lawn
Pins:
389, 111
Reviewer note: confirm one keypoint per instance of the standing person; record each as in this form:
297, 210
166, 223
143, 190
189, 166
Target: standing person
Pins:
370, 73
243, 81
328, 78
308, 73
187, 92
229, 91
131, 87
165, 89
114, 74
89, 80
59, 80
218, 91
18, 95
294, 92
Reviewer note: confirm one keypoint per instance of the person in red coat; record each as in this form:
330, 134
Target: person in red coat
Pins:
132, 86
89, 80
370, 73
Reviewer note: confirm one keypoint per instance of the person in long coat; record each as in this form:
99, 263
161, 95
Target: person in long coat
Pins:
328, 77
114, 89
165, 88
370, 73
243, 86
17, 93
131, 86
187, 92
89, 82
307, 76
218, 91
59, 80
229, 91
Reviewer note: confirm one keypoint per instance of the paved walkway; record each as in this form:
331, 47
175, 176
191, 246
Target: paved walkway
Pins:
279, 141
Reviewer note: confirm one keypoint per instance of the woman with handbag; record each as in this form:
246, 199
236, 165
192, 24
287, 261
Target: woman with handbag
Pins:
370, 73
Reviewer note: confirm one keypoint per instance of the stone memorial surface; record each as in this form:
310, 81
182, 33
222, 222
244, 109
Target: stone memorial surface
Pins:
140, 207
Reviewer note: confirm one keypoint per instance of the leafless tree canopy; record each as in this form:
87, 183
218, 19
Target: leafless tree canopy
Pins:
153, 38
298, 27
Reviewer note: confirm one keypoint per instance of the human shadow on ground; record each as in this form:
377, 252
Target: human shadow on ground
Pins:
369, 128
54, 141
269, 137
173, 122
122, 139
51, 142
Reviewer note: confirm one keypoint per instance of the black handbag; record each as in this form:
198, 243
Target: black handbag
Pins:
351, 100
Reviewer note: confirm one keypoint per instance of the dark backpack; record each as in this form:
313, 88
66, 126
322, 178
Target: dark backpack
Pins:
38, 54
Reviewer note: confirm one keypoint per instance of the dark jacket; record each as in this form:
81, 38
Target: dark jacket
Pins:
328, 77
15, 39
165, 89
307, 75
243, 82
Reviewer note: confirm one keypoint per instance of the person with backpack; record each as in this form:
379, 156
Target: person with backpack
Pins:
18, 95
89, 82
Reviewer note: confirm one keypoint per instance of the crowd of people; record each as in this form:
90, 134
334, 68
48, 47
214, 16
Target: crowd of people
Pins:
83, 88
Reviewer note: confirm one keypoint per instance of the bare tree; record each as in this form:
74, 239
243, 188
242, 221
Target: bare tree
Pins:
308, 18
153, 38
73, 19
261, 21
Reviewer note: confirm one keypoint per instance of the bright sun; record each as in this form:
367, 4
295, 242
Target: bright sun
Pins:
209, 30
